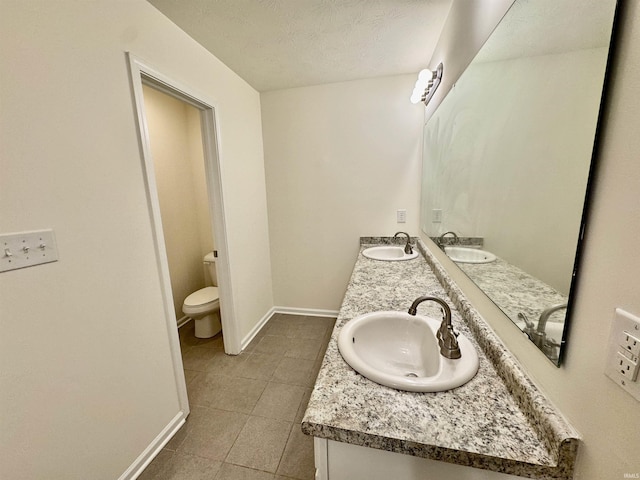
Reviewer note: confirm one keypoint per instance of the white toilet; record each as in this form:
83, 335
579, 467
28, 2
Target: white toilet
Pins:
204, 305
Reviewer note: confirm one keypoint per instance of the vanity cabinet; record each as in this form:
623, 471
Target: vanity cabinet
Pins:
343, 461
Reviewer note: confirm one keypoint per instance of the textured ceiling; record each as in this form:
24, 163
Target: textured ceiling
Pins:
275, 44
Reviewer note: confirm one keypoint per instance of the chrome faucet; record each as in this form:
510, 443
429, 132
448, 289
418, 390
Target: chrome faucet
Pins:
407, 248
456, 240
447, 337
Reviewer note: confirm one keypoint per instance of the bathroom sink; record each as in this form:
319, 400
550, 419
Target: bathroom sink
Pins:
469, 255
401, 351
388, 253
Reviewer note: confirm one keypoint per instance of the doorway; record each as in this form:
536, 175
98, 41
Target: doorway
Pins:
144, 75
176, 148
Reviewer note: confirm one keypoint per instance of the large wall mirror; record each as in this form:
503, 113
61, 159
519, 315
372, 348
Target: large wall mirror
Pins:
507, 157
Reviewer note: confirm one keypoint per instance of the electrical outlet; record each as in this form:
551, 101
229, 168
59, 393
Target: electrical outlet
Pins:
401, 216
627, 367
436, 215
630, 343
623, 358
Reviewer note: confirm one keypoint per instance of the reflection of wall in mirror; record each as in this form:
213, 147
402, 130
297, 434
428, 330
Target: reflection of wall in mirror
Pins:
507, 156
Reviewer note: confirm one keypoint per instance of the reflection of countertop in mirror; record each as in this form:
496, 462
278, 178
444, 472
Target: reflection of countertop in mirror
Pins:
514, 290
488, 423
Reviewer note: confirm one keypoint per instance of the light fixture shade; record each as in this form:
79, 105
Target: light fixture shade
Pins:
426, 85
416, 97
425, 75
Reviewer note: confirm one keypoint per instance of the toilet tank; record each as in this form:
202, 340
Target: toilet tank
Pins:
210, 264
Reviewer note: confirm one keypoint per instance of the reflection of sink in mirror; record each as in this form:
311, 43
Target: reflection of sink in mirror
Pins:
469, 255
401, 351
388, 253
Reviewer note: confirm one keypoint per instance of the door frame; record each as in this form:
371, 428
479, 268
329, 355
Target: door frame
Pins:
141, 73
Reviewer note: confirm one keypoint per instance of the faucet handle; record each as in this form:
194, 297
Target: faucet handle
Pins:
449, 347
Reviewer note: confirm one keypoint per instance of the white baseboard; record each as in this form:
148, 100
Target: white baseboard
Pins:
145, 458
254, 331
183, 321
308, 312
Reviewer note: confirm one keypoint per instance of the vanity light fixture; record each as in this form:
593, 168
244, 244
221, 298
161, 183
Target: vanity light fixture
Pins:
426, 85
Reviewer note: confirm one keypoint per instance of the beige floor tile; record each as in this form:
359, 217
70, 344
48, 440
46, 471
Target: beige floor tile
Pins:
307, 348
220, 362
236, 472
260, 444
303, 405
287, 319
297, 460
272, 378
190, 375
179, 437
279, 401
272, 344
211, 433
189, 467
157, 467
258, 365
236, 394
283, 329
295, 371
197, 358
310, 330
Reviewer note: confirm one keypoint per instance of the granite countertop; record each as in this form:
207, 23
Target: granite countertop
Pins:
487, 423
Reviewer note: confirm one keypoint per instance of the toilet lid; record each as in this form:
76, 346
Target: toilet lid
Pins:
202, 296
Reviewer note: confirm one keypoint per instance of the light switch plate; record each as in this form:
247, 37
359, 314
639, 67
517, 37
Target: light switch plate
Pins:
624, 329
26, 249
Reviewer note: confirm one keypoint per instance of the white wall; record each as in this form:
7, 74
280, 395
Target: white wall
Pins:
176, 148
606, 416
340, 160
86, 379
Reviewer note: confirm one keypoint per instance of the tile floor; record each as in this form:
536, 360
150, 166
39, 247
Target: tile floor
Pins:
246, 409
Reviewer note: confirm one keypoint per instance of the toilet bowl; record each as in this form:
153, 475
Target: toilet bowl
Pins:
203, 305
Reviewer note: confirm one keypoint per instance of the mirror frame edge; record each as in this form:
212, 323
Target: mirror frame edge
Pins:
594, 167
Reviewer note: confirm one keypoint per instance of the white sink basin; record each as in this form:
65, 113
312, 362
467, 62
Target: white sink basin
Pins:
401, 351
469, 255
388, 253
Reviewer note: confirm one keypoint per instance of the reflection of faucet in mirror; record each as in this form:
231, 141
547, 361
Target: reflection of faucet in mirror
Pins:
539, 335
447, 337
407, 248
530, 327
456, 240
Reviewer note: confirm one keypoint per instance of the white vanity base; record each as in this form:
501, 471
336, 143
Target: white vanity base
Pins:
343, 461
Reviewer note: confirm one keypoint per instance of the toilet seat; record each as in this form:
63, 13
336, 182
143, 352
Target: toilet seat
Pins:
201, 301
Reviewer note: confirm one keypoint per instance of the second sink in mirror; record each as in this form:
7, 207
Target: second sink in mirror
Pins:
469, 255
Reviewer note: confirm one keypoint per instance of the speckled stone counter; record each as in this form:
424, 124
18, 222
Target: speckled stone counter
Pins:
497, 421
